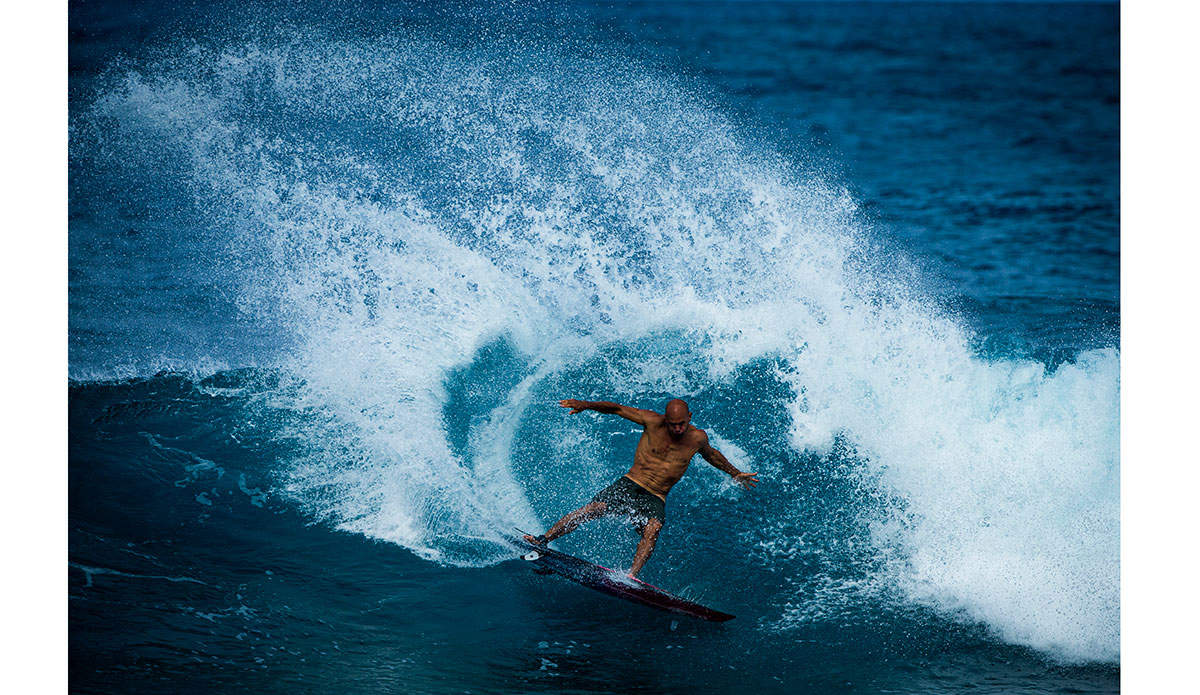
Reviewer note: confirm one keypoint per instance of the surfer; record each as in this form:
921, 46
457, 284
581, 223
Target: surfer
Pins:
668, 443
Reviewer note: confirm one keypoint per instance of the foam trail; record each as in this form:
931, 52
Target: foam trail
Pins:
400, 206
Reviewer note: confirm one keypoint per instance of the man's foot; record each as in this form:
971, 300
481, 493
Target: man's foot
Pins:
536, 540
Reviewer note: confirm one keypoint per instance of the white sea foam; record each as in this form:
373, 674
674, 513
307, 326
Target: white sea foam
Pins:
566, 206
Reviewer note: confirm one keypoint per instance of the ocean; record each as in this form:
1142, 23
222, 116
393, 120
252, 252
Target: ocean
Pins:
333, 265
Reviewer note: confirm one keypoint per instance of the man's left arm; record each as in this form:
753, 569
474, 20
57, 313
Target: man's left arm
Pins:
718, 461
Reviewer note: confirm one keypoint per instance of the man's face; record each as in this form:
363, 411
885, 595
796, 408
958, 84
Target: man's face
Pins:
677, 423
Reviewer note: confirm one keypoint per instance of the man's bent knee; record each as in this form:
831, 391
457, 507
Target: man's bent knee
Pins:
650, 528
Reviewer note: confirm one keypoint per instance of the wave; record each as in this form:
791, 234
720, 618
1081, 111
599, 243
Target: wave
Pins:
453, 238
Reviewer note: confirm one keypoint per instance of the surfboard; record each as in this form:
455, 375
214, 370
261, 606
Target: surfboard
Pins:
614, 583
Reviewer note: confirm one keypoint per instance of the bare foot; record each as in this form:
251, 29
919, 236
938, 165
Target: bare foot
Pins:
536, 540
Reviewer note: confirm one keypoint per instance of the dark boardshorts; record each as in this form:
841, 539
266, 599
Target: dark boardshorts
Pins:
628, 498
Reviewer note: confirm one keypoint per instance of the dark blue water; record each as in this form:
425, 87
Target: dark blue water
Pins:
333, 266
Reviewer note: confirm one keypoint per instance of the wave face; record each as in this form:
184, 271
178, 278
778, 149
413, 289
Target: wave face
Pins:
429, 244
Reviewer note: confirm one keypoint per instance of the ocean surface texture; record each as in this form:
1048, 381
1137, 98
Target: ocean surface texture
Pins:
332, 266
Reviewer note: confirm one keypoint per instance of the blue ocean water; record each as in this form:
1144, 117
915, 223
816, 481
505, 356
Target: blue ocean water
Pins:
333, 265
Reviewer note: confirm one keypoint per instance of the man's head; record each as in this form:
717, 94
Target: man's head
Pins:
678, 417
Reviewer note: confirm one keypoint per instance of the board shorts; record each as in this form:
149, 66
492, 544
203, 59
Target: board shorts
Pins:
628, 498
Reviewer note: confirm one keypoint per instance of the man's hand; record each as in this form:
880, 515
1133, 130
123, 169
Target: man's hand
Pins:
748, 480
574, 405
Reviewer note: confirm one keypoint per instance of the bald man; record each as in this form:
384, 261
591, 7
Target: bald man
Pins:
668, 443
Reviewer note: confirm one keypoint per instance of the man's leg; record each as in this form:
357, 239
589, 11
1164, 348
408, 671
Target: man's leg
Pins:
570, 522
645, 546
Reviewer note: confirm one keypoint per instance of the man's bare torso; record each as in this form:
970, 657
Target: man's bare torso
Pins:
660, 459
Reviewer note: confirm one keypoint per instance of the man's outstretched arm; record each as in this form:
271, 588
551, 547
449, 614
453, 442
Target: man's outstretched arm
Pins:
634, 414
718, 461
